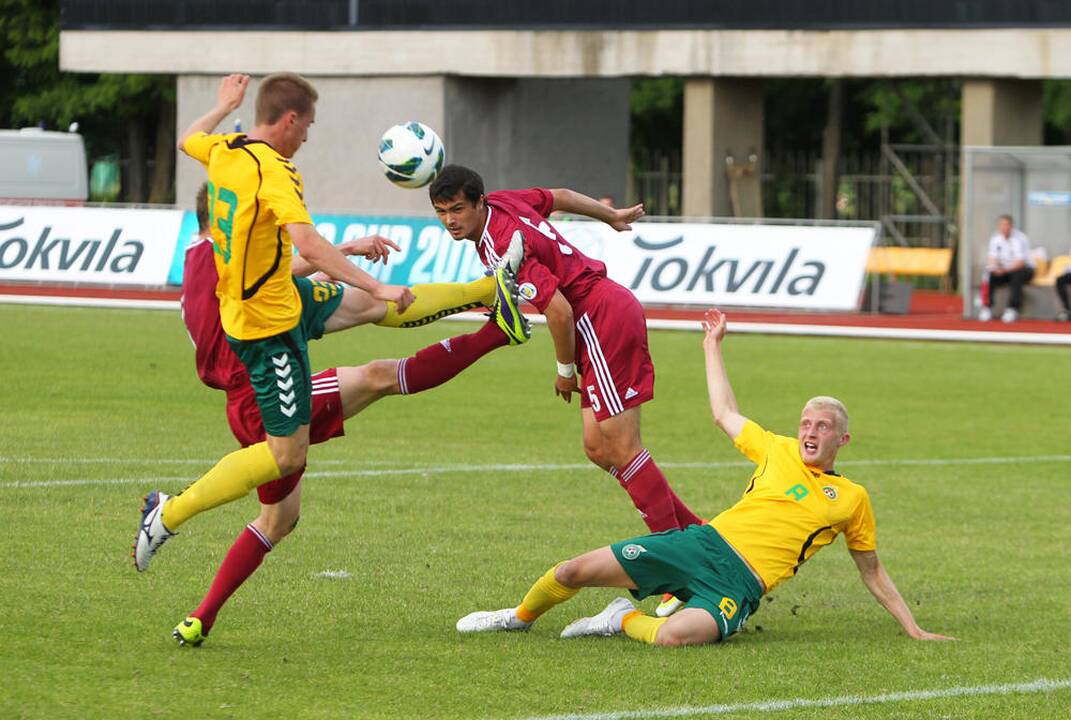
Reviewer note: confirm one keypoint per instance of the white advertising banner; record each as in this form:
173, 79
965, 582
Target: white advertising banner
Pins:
97, 245
777, 266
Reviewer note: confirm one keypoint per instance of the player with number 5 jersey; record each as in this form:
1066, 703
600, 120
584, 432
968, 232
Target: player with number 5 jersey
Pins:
598, 326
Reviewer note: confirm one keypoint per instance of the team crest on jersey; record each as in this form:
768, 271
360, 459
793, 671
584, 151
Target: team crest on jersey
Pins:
830, 491
527, 291
632, 551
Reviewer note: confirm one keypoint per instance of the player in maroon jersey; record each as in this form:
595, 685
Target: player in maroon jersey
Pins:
597, 325
337, 394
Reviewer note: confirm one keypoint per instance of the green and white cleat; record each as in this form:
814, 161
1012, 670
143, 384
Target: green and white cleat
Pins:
670, 604
506, 311
605, 624
188, 632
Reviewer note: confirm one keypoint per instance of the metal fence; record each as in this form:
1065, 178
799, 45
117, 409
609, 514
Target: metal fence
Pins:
912, 190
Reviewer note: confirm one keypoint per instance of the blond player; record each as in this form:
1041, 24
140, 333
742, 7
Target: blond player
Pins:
794, 505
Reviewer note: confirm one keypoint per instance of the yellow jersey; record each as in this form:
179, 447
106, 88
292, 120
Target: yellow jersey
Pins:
253, 192
791, 510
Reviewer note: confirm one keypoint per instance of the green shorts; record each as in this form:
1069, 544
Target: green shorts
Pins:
278, 366
697, 566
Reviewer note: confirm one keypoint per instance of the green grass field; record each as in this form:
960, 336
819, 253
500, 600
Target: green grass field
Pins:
964, 449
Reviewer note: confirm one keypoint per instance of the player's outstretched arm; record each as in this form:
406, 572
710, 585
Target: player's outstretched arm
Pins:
722, 400
326, 258
882, 588
372, 247
619, 219
228, 99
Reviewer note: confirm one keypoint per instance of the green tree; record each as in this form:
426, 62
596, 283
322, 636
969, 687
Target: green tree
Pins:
127, 115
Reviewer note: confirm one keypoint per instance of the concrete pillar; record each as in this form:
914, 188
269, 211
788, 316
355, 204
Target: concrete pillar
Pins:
1001, 112
723, 120
525, 132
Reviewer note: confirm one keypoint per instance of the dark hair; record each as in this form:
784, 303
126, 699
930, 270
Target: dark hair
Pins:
453, 179
280, 93
202, 208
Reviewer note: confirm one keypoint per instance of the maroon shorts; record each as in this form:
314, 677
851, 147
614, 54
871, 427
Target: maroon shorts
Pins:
243, 414
616, 372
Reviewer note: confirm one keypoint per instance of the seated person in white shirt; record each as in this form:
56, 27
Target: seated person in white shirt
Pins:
1008, 263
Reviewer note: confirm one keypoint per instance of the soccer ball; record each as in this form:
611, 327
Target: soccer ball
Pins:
411, 154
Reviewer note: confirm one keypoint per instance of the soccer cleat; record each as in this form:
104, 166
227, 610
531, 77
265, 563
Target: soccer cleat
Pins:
669, 605
151, 533
1010, 315
492, 621
514, 254
506, 311
985, 314
188, 632
606, 623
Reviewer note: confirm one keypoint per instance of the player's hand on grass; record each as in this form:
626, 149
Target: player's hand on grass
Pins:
400, 295
564, 387
231, 91
714, 325
624, 217
373, 247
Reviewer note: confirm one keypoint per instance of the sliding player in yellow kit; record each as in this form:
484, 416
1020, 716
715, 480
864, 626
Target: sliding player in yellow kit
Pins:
794, 505
257, 217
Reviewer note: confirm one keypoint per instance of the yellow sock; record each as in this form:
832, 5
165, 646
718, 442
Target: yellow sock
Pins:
545, 594
437, 300
232, 477
642, 627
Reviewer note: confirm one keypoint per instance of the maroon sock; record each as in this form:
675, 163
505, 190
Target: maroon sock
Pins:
242, 560
437, 363
685, 516
650, 492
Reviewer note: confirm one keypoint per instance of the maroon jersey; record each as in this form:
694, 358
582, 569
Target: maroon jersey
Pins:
217, 365
550, 261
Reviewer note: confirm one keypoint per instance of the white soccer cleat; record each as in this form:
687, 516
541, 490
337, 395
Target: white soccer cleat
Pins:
985, 314
151, 533
492, 621
669, 605
1010, 315
605, 624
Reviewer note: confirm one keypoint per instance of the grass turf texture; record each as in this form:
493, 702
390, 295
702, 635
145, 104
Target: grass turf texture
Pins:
979, 550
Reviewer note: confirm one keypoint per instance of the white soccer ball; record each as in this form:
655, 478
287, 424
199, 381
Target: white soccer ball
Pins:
411, 154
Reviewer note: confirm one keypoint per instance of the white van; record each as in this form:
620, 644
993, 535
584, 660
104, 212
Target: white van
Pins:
40, 164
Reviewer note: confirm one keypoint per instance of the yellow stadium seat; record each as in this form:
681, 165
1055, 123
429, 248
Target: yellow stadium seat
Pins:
910, 261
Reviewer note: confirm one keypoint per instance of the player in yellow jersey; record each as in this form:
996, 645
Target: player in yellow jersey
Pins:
794, 505
257, 218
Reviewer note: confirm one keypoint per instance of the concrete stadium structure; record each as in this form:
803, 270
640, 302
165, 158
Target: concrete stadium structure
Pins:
549, 104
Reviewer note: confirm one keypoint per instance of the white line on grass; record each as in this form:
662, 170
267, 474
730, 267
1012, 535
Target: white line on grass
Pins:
475, 469
1037, 686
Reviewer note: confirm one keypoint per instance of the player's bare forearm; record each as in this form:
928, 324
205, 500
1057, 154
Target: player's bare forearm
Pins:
326, 258
301, 267
722, 400
559, 315
571, 201
881, 586
228, 99
619, 219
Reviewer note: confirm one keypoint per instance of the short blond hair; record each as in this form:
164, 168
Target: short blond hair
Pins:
279, 93
825, 402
